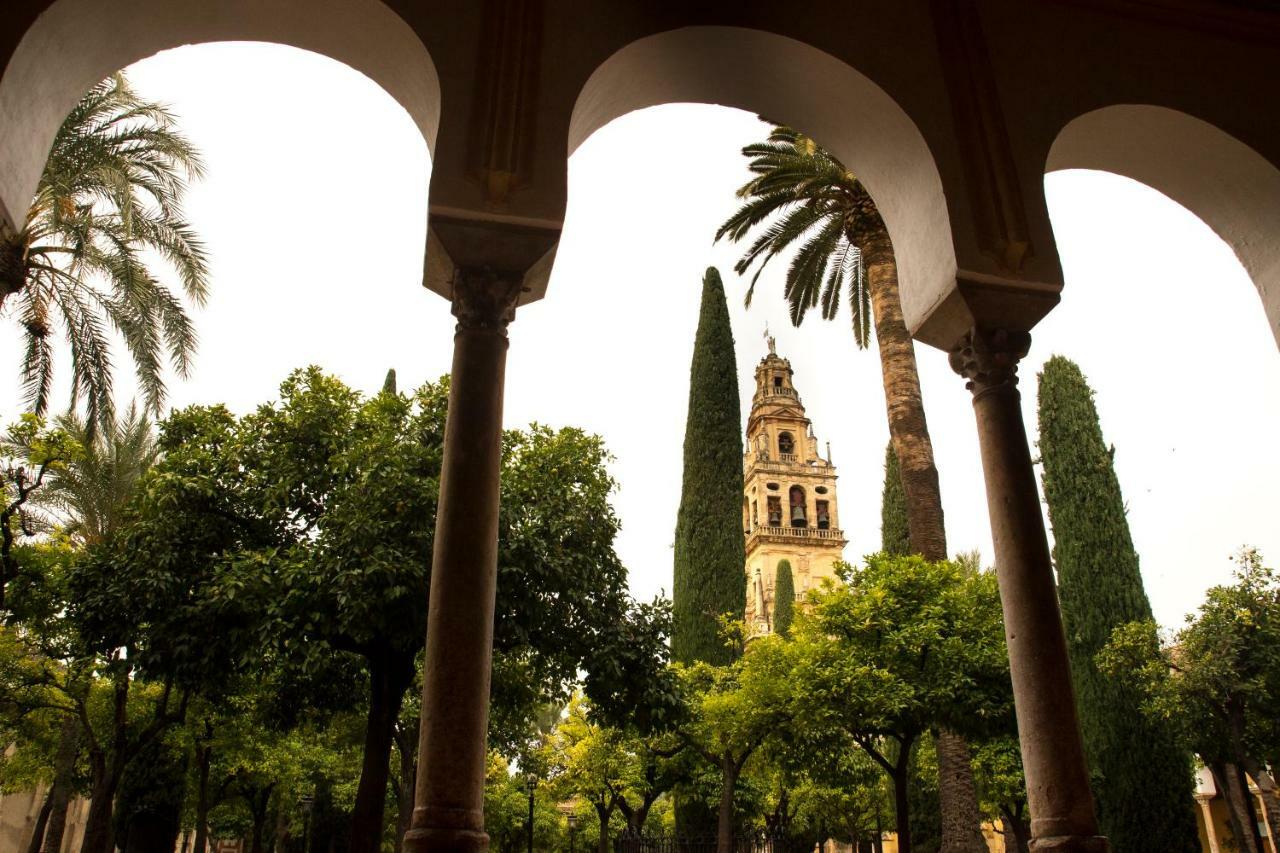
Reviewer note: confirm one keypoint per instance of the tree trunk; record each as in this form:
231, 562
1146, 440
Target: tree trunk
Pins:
909, 433
1228, 780
42, 821
724, 819
407, 741
389, 678
203, 756
901, 811
64, 768
908, 429
1017, 827
957, 796
1270, 800
603, 814
97, 826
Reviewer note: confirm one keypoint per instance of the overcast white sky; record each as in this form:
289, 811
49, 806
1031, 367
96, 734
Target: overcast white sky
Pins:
314, 211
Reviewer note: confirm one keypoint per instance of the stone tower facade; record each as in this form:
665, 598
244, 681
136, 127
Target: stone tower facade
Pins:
789, 506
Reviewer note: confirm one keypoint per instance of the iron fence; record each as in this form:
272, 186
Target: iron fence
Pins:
751, 843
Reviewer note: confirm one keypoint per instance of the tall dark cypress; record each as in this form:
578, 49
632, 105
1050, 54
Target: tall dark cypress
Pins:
895, 536
784, 599
1142, 782
710, 576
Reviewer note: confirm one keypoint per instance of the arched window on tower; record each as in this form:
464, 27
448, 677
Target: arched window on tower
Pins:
786, 444
798, 516
775, 511
822, 511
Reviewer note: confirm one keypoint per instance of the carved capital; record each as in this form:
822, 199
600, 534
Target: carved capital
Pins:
989, 358
484, 300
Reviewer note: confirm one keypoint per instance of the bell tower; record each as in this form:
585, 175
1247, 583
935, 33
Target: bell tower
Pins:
789, 508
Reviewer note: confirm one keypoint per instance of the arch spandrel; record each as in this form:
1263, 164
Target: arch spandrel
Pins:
789, 81
75, 43
1227, 184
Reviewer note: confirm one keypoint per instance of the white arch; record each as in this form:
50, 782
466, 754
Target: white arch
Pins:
76, 43
789, 81
1233, 188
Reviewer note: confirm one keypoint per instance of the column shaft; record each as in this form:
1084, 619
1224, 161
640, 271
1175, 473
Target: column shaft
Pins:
1061, 805
448, 815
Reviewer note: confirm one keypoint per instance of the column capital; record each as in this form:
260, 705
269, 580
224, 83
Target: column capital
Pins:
989, 358
484, 300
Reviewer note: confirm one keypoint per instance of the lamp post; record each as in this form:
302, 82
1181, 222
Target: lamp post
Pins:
306, 801
573, 825
531, 782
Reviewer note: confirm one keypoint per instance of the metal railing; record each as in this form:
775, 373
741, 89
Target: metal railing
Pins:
749, 843
798, 532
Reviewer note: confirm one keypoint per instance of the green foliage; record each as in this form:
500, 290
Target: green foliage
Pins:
784, 599
709, 581
732, 710
1217, 682
818, 204
895, 535
924, 806
903, 646
108, 205
1143, 795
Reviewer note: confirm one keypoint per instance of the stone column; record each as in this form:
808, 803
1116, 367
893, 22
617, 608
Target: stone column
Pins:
448, 814
1206, 814
1061, 805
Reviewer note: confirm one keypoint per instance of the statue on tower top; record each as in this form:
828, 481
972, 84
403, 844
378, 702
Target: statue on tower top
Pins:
773, 348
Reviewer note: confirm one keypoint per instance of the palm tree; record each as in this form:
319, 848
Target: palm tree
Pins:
803, 197
89, 494
107, 212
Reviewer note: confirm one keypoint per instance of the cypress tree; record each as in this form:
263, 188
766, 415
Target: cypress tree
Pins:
784, 599
895, 536
389, 383
1142, 781
710, 558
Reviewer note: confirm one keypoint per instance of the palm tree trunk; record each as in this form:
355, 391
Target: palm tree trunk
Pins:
908, 429
909, 432
957, 796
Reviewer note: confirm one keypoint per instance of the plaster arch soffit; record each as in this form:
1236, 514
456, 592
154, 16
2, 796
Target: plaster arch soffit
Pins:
1231, 187
75, 43
793, 82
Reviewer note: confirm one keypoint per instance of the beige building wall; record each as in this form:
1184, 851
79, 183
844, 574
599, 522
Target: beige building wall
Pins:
18, 813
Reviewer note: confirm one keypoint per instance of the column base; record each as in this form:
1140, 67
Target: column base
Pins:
429, 840
1070, 844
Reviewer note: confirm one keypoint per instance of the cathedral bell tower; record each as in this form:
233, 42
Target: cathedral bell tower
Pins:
789, 509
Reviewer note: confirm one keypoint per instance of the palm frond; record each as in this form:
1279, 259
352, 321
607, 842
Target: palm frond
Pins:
110, 196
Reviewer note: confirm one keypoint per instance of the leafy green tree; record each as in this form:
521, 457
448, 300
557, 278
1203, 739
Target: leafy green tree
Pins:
306, 528
784, 599
1002, 789
732, 710
590, 762
709, 581
107, 214
1143, 796
31, 454
803, 198
1215, 685
905, 645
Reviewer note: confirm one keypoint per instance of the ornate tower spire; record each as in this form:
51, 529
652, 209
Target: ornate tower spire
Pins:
789, 492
